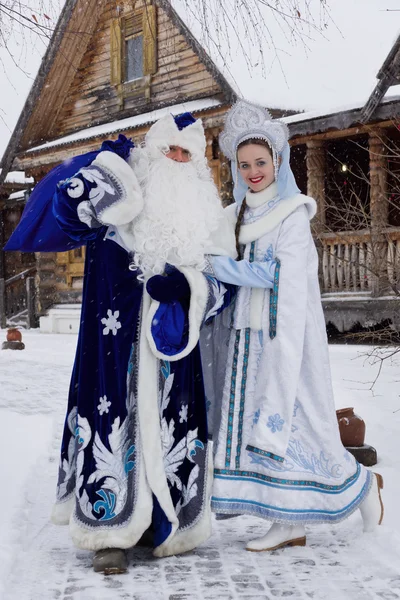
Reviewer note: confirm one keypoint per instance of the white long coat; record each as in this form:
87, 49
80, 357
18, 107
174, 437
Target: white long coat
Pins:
278, 450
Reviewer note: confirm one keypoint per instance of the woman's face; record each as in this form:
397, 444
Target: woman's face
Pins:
256, 166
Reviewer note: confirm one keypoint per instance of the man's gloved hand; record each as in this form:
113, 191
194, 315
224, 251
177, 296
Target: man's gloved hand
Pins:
170, 287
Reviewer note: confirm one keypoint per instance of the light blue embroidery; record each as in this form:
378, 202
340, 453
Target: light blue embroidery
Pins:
216, 296
192, 448
232, 401
165, 369
267, 479
243, 392
273, 302
269, 255
275, 423
264, 453
296, 408
107, 504
129, 464
131, 360
241, 506
256, 416
299, 460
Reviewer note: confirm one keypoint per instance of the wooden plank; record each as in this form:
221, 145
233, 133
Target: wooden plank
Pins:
339, 266
354, 266
368, 261
397, 263
362, 266
325, 267
347, 267
332, 268
390, 256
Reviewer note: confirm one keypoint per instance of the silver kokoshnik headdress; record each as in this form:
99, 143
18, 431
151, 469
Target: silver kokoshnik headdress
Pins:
247, 121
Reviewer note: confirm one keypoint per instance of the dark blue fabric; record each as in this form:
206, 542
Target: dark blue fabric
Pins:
161, 526
122, 146
170, 328
170, 287
184, 120
65, 211
38, 230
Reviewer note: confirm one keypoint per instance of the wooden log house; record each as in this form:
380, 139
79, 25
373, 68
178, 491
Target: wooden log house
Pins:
117, 67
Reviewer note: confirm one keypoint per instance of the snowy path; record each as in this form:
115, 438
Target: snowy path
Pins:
38, 561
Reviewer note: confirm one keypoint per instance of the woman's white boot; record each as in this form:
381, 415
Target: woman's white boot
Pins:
277, 537
372, 507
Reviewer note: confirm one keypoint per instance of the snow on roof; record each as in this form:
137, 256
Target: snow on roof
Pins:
315, 114
20, 195
18, 177
315, 72
131, 122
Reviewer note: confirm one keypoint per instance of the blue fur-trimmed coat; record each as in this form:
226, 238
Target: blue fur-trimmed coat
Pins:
135, 445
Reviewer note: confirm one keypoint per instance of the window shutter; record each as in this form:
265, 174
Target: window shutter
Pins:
133, 23
116, 52
150, 40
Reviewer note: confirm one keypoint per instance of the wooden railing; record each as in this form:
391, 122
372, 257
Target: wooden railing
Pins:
351, 262
17, 295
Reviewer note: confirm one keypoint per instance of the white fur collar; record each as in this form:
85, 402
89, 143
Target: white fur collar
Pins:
254, 200
254, 231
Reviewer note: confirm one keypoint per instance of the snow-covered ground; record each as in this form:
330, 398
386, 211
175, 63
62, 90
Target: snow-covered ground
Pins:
38, 561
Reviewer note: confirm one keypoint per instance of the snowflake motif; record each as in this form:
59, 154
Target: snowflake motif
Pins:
275, 423
256, 417
104, 405
183, 414
111, 322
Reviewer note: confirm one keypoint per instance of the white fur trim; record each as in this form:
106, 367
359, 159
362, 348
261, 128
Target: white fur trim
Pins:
190, 538
165, 133
198, 304
231, 213
222, 241
253, 200
131, 203
254, 231
149, 421
256, 308
62, 511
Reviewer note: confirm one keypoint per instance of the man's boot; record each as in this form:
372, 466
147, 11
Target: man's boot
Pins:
110, 561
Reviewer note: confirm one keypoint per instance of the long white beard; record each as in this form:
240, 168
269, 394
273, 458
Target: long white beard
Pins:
181, 210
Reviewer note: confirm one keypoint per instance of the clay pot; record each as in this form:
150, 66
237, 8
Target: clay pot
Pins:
14, 335
351, 427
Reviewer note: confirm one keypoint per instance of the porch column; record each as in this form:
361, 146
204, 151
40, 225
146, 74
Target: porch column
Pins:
379, 211
46, 285
316, 160
316, 181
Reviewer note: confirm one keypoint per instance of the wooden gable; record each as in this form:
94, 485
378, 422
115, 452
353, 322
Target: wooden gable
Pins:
172, 70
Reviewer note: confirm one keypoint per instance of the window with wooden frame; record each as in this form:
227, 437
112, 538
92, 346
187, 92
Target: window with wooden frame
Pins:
134, 50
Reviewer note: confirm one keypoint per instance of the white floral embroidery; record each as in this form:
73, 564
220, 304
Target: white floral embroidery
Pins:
217, 290
104, 405
101, 186
111, 322
183, 414
75, 188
